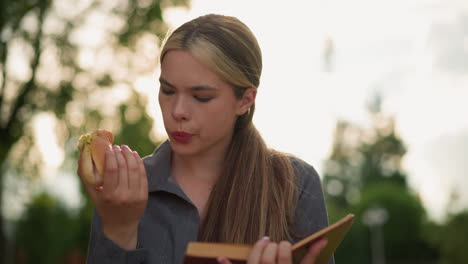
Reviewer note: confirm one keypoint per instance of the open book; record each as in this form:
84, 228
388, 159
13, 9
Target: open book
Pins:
206, 253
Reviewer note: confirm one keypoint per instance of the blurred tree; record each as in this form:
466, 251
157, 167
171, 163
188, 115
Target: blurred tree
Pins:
341, 177
360, 158
78, 61
403, 228
363, 173
451, 238
49, 220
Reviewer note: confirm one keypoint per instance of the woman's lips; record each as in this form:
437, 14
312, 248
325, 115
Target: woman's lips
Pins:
181, 136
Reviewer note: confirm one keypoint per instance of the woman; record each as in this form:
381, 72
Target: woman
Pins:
214, 179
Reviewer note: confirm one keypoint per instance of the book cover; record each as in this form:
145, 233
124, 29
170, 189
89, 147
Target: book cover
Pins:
207, 253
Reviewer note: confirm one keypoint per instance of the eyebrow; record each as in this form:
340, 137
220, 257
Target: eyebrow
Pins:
193, 88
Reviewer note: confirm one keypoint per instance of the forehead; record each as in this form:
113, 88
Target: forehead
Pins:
181, 68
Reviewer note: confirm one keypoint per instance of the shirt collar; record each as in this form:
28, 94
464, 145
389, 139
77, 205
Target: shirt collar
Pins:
158, 170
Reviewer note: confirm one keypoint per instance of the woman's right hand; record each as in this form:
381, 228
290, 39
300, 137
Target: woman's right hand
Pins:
122, 199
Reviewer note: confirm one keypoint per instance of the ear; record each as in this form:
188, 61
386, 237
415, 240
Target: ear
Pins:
247, 100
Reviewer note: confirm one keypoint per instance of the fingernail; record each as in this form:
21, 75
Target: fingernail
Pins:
116, 147
125, 147
265, 239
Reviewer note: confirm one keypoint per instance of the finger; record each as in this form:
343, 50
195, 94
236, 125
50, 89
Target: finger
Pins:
111, 173
122, 167
284, 252
269, 254
257, 250
314, 252
142, 173
132, 168
223, 260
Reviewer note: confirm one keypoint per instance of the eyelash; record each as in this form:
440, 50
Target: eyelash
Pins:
200, 99
167, 92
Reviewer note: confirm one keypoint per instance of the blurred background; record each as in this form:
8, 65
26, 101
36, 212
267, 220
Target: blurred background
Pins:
371, 93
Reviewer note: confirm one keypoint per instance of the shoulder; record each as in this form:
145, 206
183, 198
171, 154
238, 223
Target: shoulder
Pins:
310, 214
308, 180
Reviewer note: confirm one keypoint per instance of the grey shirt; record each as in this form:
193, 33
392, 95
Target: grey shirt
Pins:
171, 220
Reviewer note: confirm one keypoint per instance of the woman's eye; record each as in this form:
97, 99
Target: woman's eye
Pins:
202, 99
167, 92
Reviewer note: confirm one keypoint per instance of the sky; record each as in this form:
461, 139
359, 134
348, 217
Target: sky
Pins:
414, 53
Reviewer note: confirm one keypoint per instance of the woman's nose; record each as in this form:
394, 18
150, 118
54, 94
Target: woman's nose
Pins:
180, 111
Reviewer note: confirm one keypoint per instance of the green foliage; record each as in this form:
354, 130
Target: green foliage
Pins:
136, 127
46, 233
403, 231
59, 101
363, 172
147, 17
382, 157
361, 158
451, 239
84, 218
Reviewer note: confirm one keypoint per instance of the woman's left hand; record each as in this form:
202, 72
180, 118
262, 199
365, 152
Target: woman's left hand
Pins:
266, 252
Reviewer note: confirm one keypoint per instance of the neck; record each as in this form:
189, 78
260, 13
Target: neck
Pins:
203, 168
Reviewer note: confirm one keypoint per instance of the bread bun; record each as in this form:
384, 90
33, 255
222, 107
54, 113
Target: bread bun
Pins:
93, 149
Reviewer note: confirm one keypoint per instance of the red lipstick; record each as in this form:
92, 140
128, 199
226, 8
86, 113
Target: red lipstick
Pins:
181, 136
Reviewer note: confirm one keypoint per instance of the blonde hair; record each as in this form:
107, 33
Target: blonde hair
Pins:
256, 194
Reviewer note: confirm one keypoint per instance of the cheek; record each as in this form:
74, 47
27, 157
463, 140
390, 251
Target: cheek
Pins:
163, 105
220, 118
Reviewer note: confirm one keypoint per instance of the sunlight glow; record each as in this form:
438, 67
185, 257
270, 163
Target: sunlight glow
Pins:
44, 133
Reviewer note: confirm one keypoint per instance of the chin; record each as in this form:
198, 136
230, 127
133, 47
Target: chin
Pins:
185, 149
